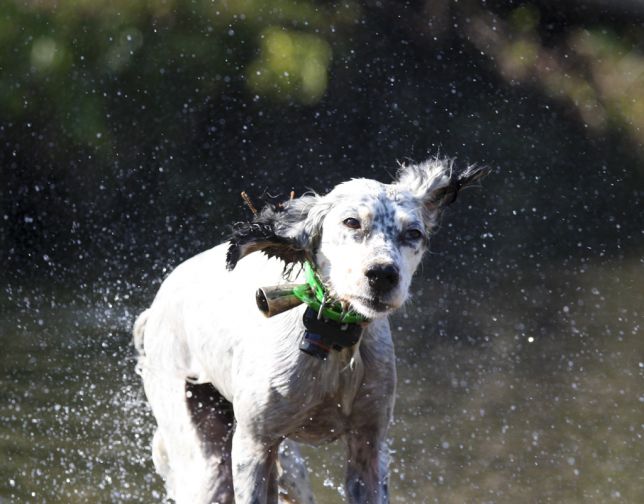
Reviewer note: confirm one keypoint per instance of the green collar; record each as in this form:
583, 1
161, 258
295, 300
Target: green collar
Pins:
314, 294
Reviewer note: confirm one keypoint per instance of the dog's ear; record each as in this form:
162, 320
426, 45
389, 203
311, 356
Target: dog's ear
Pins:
436, 184
288, 231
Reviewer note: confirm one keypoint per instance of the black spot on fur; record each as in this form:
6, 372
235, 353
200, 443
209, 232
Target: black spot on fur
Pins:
204, 400
213, 418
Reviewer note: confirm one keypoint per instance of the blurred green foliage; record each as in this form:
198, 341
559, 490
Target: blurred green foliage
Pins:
593, 69
291, 65
62, 61
66, 58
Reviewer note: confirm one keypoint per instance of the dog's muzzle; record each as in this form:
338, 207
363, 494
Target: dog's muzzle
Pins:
382, 278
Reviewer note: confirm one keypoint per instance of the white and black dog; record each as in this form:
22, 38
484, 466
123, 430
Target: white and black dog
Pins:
231, 390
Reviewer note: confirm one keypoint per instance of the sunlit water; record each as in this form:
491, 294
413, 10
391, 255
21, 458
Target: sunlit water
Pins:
493, 405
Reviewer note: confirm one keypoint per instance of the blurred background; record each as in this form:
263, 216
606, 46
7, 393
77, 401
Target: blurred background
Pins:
128, 129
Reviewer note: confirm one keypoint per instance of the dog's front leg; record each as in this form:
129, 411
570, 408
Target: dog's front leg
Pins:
253, 469
367, 480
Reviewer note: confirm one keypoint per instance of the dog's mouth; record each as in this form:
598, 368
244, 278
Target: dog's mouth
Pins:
370, 306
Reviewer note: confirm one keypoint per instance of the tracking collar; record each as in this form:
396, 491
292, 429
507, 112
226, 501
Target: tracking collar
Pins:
323, 335
328, 325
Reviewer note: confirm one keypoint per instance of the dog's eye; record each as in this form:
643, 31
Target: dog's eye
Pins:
351, 223
412, 235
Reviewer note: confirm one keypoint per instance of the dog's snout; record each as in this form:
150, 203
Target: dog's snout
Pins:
383, 277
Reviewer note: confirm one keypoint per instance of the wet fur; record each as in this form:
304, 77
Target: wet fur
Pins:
230, 390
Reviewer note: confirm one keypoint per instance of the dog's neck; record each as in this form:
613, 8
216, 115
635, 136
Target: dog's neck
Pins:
316, 294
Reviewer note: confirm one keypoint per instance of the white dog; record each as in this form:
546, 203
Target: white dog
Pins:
233, 391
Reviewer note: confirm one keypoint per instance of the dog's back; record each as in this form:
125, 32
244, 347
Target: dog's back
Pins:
201, 312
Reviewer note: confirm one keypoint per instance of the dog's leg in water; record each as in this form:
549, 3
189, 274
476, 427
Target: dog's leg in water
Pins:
191, 448
292, 474
367, 463
254, 471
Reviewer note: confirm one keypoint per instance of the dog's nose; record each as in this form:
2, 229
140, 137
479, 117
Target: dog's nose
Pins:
383, 277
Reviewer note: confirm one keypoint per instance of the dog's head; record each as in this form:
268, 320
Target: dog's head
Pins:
365, 238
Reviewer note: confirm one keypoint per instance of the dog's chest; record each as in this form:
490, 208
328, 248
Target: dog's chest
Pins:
324, 402
322, 423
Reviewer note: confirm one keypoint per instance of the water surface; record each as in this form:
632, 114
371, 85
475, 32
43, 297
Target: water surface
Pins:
493, 405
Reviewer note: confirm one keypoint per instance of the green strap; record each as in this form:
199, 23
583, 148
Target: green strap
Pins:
313, 292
